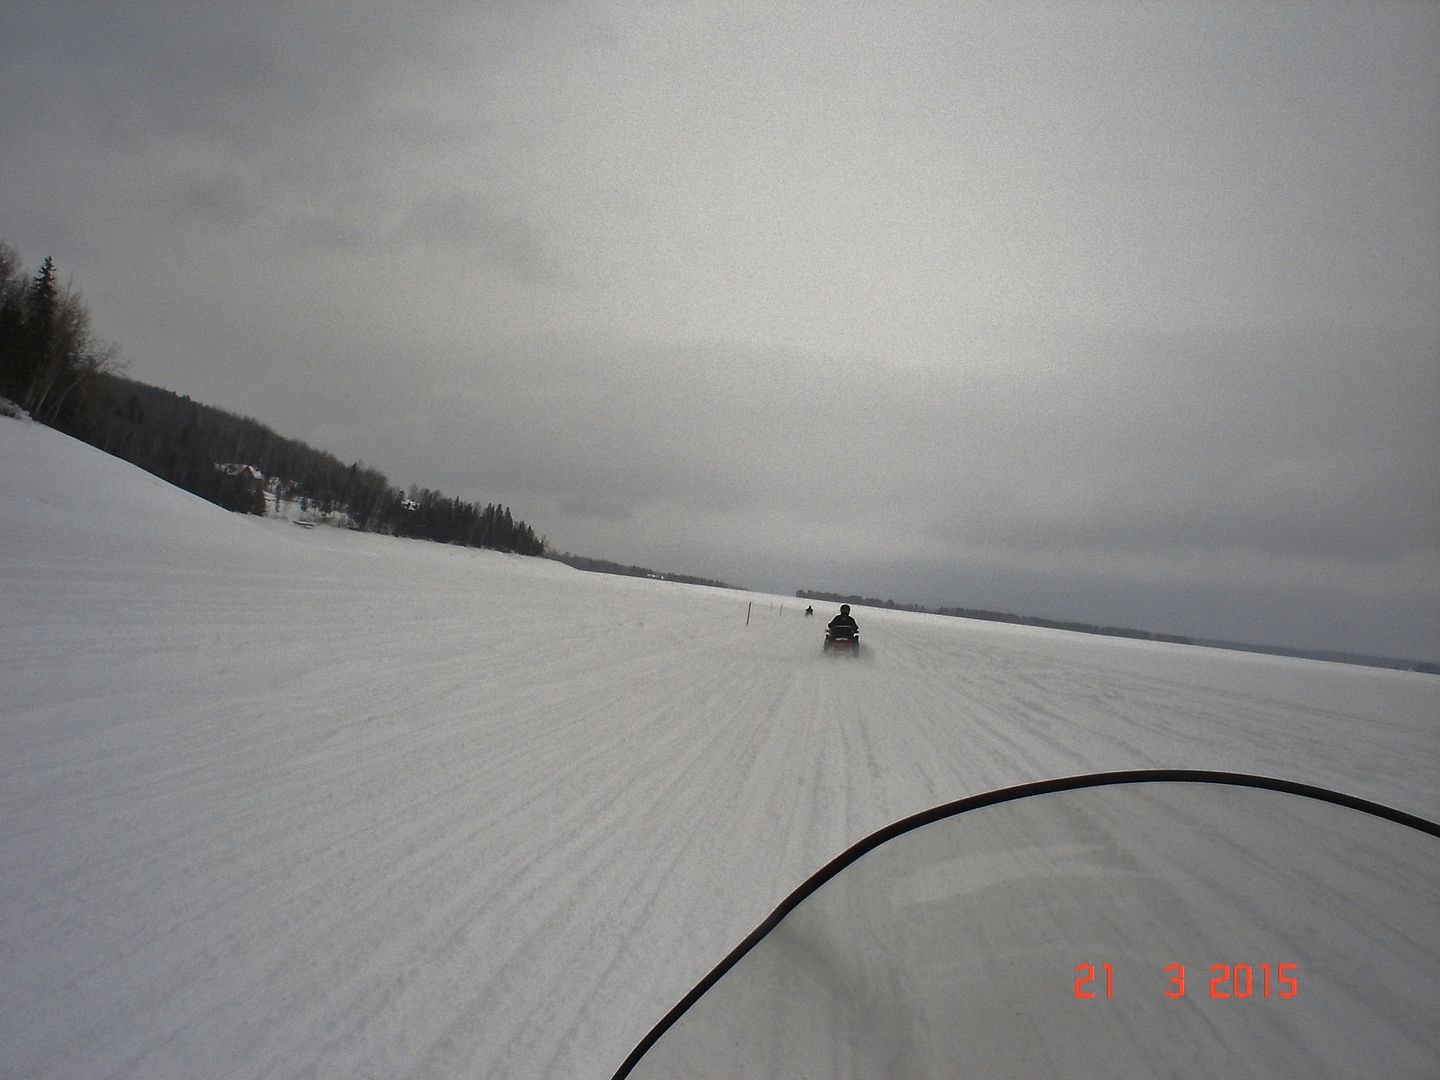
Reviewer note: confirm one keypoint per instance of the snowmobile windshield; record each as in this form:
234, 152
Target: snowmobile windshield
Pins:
1141, 924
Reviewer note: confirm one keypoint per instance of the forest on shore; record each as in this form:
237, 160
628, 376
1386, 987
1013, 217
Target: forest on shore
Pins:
1328, 655
54, 367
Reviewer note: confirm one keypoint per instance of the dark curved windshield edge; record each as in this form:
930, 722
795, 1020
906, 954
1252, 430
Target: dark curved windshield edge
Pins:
991, 798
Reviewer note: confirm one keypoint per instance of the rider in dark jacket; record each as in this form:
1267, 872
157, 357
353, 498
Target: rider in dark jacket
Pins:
842, 625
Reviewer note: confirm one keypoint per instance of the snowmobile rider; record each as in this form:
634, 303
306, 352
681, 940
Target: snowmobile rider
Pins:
842, 625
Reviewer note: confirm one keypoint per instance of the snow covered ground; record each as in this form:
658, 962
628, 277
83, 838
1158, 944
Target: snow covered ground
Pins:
286, 802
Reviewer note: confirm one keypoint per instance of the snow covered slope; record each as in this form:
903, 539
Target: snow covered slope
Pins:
280, 802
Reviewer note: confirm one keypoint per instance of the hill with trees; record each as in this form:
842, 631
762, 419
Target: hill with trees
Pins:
53, 367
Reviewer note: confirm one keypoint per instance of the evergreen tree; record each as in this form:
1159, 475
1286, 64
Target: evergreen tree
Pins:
16, 356
39, 349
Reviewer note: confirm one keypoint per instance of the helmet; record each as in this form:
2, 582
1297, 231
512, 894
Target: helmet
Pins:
844, 609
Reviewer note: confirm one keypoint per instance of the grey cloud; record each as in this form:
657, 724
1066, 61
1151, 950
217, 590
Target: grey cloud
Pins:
464, 222
217, 199
1078, 303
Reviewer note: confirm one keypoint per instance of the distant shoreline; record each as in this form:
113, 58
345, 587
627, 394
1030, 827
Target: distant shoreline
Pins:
1329, 655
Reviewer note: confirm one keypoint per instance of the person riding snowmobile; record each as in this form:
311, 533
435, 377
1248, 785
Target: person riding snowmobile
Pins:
843, 625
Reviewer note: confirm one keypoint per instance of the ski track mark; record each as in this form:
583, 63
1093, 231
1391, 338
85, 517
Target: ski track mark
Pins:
356, 807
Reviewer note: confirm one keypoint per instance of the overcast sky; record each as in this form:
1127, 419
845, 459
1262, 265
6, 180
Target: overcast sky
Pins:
1115, 312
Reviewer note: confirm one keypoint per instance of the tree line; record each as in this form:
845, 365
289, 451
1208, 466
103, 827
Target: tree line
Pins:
1328, 655
996, 616
53, 367
605, 566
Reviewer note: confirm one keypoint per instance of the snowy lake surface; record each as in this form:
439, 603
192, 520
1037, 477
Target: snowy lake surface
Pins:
313, 803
